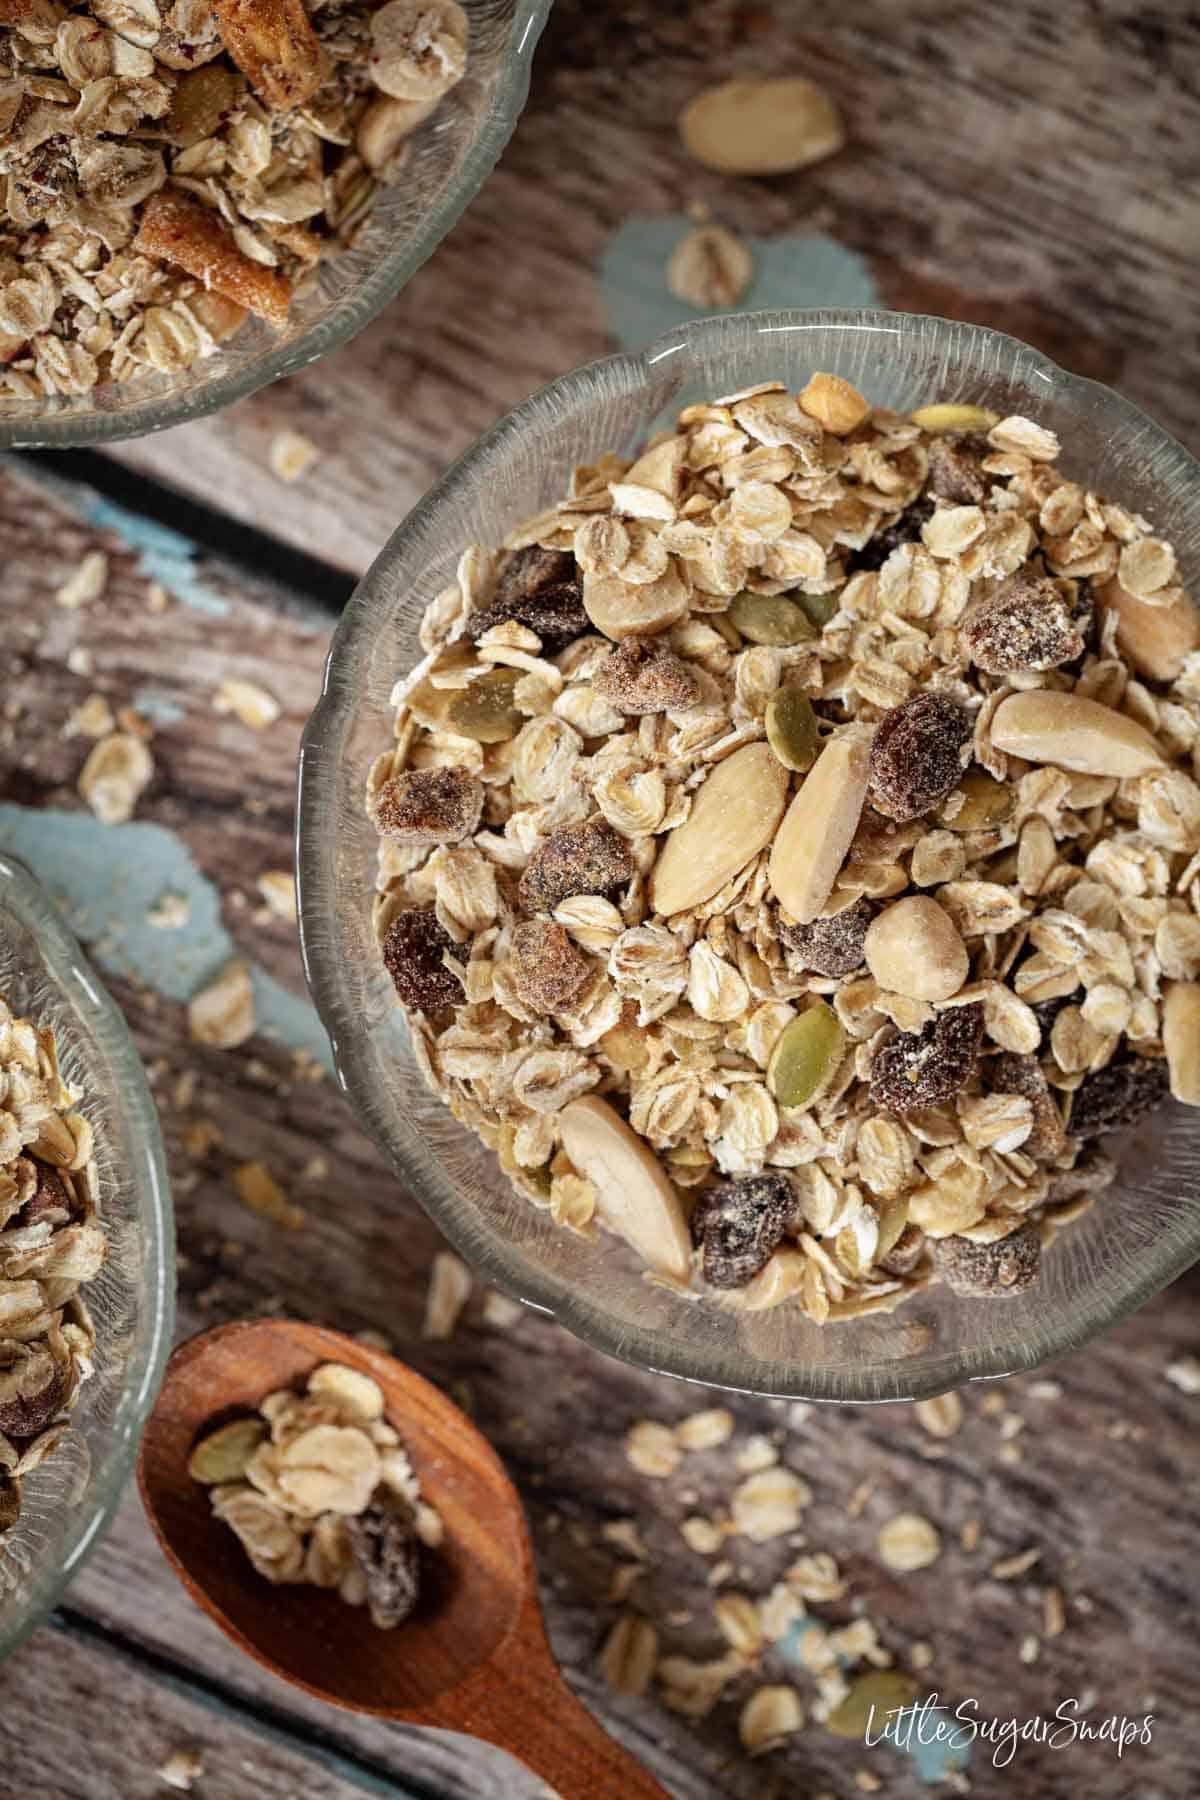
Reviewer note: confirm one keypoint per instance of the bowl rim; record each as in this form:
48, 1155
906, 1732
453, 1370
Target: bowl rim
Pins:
317, 774
70, 969
392, 273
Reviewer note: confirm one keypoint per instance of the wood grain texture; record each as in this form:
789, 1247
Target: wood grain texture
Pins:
1101, 1479
1033, 167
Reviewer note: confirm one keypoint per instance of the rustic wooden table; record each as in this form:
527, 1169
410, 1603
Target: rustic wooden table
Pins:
1032, 166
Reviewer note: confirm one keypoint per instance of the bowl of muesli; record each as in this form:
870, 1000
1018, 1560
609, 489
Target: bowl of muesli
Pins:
749, 854
87, 1256
199, 196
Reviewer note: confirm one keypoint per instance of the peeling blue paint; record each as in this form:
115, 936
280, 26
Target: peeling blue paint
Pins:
790, 270
159, 707
105, 878
166, 555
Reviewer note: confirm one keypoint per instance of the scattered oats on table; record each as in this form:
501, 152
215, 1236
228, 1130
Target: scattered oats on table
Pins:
790, 851
319, 1489
292, 454
52, 1243
170, 168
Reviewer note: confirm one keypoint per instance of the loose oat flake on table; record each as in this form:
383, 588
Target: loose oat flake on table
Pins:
169, 167
52, 1242
318, 1488
790, 848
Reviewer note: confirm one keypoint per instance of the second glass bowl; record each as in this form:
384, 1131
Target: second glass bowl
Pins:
1144, 1231
449, 159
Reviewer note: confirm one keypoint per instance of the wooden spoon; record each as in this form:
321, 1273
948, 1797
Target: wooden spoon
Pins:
474, 1656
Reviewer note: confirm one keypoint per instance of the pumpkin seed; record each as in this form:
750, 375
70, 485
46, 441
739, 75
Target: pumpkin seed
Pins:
806, 1056
770, 619
223, 1455
792, 728
880, 1692
985, 802
818, 609
484, 710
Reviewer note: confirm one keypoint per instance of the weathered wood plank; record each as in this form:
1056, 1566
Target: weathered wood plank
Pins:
1031, 167
1101, 1477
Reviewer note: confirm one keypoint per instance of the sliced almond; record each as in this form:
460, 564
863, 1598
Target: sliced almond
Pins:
623, 609
633, 1196
1072, 732
821, 821
761, 125
1181, 1040
733, 817
1155, 639
193, 237
275, 46
947, 415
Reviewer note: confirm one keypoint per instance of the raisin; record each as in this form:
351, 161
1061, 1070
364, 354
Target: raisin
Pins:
1117, 1096
738, 1224
541, 590
1027, 622
923, 1068
31, 1391
1008, 1266
954, 471
643, 676
905, 530
917, 755
905, 1253
428, 806
414, 945
579, 859
834, 946
49, 1202
549, 969
383, 1541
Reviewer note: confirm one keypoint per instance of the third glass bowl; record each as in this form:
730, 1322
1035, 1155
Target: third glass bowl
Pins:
1142, 1233
449, 159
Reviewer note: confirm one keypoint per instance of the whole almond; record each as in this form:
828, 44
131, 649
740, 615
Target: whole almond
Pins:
1155, 639
733, 817
913, 947
1181, 1040
1045, 726
822, 819
633, 1196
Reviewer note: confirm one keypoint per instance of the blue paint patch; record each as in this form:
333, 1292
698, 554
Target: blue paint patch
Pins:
934, 1759
166, 555
811, 270
160, 708
105, 878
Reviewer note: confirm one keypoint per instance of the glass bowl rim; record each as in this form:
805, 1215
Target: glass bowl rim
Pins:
70, 969
316, 788
356, 311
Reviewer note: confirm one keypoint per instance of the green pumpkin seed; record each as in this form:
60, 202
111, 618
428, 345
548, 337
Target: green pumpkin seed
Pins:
985, 802
792, 729
806, 1056
223, 1455
484, 710
880, 1693
818, 608
770, 619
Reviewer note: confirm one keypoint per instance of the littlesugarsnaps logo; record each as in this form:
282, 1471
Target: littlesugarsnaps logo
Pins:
928, 1722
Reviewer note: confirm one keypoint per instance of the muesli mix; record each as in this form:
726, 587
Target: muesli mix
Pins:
790, 848
51, 1242
318, 1488
168, 167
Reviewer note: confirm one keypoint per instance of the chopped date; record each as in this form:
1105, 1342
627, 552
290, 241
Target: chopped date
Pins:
923, 1068
1008, 1266
414, 947
1117, 1096
738, 1225
384, 1543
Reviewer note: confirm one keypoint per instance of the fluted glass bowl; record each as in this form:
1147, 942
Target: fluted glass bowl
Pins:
1140, 1234
68, 1502
450, 157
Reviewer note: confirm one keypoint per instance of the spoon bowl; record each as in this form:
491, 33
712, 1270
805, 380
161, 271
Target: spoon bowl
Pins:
474, 1655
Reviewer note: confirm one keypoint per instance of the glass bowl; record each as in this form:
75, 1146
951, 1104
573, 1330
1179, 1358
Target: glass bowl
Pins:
68, 1502
449, 159
1137, 1238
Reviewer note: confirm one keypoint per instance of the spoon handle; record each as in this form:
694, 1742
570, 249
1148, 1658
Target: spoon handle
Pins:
524, 1706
